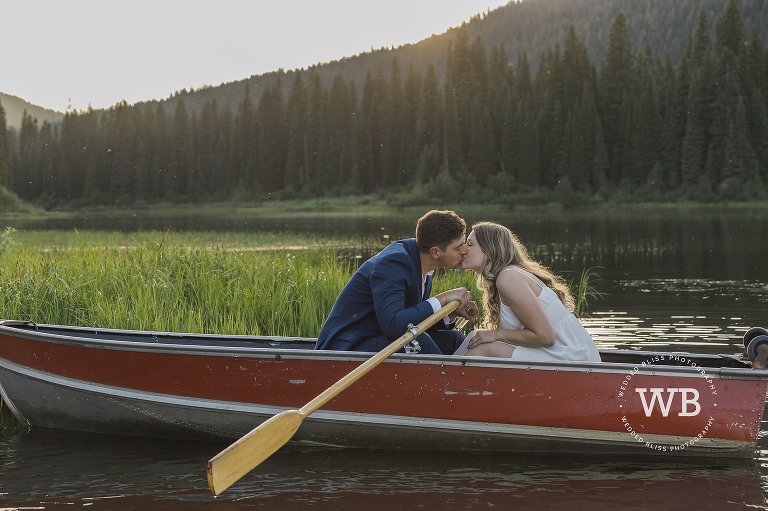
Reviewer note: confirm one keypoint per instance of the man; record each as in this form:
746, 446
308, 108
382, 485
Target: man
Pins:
391, 290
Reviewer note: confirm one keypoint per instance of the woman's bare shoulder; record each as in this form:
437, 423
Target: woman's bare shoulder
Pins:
518, 275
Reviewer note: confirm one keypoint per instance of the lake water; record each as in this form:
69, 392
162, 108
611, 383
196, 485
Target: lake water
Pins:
673, 279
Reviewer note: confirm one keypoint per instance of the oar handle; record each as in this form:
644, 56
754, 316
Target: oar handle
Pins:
372, 362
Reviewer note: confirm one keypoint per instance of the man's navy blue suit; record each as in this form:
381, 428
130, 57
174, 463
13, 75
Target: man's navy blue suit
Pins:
380, 300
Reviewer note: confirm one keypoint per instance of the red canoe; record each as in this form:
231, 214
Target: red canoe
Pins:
221, 387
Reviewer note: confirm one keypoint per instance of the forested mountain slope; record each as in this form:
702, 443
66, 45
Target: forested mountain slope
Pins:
634, 126
529, 26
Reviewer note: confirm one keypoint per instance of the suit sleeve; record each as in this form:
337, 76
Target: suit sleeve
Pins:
389, 281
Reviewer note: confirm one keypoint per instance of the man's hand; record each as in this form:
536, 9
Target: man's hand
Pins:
460, 293
464, 312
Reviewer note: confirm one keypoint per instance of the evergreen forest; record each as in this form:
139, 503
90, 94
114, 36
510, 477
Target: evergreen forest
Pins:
489, 128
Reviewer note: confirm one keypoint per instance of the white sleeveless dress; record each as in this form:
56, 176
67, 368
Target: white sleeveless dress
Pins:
572, 341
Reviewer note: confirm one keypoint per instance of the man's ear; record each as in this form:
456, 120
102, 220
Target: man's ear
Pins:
435, 252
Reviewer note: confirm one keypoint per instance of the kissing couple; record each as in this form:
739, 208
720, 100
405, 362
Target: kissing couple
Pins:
527, 310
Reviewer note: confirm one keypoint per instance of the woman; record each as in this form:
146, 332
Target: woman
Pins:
527, 308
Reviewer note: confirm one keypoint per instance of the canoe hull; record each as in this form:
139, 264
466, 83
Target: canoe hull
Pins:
109, 384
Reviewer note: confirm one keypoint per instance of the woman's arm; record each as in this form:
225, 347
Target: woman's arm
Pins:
517, 291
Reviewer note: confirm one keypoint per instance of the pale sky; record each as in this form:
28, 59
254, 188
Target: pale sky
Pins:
105, 51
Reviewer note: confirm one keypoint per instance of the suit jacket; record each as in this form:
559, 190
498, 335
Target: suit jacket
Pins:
382, 298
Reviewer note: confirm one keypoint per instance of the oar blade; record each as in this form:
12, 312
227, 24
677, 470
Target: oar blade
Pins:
238, 459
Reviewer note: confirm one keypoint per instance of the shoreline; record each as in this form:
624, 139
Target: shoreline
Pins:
361, 204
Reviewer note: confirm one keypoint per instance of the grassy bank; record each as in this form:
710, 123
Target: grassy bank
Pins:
374, 204
177, 283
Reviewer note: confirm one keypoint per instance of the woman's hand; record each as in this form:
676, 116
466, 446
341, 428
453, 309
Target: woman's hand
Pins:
483, 337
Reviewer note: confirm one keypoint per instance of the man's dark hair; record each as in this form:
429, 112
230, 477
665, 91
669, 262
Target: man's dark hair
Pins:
438, 229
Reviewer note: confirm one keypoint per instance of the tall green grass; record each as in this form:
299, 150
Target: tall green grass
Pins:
186, 283
173, 287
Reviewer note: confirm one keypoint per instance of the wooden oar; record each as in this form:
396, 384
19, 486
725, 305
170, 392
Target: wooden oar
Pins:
238, 459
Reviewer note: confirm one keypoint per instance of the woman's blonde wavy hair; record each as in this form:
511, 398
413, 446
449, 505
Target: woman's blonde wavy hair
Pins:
502, 248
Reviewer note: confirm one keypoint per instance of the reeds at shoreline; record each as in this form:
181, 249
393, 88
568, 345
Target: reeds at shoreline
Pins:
179, 287
188, 283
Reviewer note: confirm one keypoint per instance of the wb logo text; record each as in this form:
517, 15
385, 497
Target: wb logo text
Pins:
685, 395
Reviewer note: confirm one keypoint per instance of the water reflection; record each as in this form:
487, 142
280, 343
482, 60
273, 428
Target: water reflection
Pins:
673, 280
52, 469
687, 315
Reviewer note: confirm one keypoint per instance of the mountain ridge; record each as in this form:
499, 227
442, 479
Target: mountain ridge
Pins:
15, 106
663, 24
529, 26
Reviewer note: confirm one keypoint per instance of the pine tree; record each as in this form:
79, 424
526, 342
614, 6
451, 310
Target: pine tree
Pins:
740, 161
195, 183
46, 149
500, 75
206, 137
554, 85
701, 40
601, 163
378, 128
358, 152
428, 124
122, 152
554, 148
315, 133
479, 76
758, 129
244, 157
73, 157
412, 88
756, 74
510, 139
369, 101
141, 173
177, 179
725, 91
295, 165
576, 69
339, 116
459, 91
394, 162
142, 187
481, 160
523, 75
451, 136
615, 83
675, 95
5, 153
694, 142
583, 137
272, 136
729, 29
647, 133
161, 159
220, 180
527, 152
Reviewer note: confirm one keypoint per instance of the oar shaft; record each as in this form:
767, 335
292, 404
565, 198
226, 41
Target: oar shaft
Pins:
372, 362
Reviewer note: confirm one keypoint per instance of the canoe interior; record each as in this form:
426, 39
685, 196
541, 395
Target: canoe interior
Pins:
304, 343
